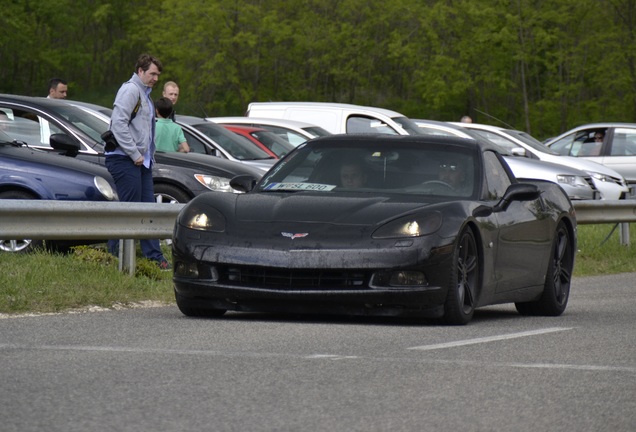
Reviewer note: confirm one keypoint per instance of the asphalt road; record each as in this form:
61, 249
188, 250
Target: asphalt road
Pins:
156, 370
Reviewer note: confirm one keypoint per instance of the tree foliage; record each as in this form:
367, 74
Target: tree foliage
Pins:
542, 66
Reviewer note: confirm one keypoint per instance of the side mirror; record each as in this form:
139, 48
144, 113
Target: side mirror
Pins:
243, 183
65, 144
517, 192
518, 151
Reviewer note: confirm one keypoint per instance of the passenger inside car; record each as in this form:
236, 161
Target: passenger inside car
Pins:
352, 175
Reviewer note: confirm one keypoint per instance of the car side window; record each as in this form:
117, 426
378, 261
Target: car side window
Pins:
497, 180
624, 142
361, 124
29, 127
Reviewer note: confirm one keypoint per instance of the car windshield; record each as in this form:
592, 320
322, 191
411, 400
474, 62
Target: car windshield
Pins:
273, 142
91, 124
316, 131
408, 125
239, 147
377, 169
530, 141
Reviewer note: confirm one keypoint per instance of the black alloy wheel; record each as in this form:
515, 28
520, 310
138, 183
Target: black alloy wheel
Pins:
463, 287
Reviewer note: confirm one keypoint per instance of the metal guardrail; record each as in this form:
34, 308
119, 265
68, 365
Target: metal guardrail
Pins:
76, 220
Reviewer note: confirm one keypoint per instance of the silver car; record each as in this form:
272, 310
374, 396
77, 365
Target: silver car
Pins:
610, 144
576, 183
610, 183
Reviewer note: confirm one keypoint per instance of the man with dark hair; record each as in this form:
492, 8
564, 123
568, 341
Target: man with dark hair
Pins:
130, 163
168, 135
58, 88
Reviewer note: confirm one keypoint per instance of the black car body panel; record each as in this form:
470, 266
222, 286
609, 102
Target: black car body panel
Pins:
311, 245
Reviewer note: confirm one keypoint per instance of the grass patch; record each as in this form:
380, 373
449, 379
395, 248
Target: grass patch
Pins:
600, 251
45, 282
42, 282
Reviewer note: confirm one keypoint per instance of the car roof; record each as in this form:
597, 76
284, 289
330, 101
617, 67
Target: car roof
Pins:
481, 145
262, 120
337, 105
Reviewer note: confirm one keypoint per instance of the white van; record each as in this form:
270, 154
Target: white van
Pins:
338, 118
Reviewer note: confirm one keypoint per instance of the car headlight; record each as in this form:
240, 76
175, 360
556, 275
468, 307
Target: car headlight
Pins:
572, 180
202, 217
215, 183
410, 226
104, 188
601, 177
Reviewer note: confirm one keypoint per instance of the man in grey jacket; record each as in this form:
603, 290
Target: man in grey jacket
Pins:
130, 163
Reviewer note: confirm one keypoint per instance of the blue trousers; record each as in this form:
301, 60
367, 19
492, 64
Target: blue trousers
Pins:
134, 184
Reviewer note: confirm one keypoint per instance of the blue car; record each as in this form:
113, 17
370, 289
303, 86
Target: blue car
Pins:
27, 173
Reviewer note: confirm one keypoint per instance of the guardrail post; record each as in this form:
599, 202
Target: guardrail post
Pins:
127, 256
624, 234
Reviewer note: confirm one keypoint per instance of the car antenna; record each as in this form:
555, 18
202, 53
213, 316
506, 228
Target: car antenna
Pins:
494, 118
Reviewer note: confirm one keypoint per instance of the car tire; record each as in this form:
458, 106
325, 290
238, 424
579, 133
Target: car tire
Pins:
23, 245
169, 194
464, 281
188, 310
556, 290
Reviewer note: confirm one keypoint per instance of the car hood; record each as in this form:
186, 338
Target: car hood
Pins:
207, 164
582, 164
310, 208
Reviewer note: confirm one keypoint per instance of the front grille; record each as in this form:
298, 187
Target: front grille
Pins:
295, 279
590, 182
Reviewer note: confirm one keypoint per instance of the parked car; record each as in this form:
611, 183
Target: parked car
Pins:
290, 130
403, 244
616, 148
27, 173
610, 183
337, 118
178, 177
209, 138
577, 184
263, 138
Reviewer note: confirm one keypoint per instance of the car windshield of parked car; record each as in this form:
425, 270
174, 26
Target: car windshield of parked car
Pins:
531, 141
88, 123
408, 125
273, 142
239, 147
377, 169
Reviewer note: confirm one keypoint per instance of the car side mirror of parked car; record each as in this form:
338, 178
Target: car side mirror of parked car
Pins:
518, 151
65, 144
243, 183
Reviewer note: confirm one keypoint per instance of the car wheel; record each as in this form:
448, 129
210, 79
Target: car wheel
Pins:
463, 286
24, 245
191, 311
169, 194
556, 290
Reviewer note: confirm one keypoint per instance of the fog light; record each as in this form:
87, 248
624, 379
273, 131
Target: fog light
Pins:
184, 269
407, 278
399, 278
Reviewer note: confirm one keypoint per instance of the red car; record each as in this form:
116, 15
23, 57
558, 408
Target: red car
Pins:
268, 141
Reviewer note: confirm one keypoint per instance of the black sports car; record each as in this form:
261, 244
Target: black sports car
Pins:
378, 225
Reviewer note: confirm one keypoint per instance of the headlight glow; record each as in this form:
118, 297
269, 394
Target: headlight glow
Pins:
202, 217
410, 226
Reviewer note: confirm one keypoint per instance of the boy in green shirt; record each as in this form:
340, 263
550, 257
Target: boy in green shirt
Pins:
168, 135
